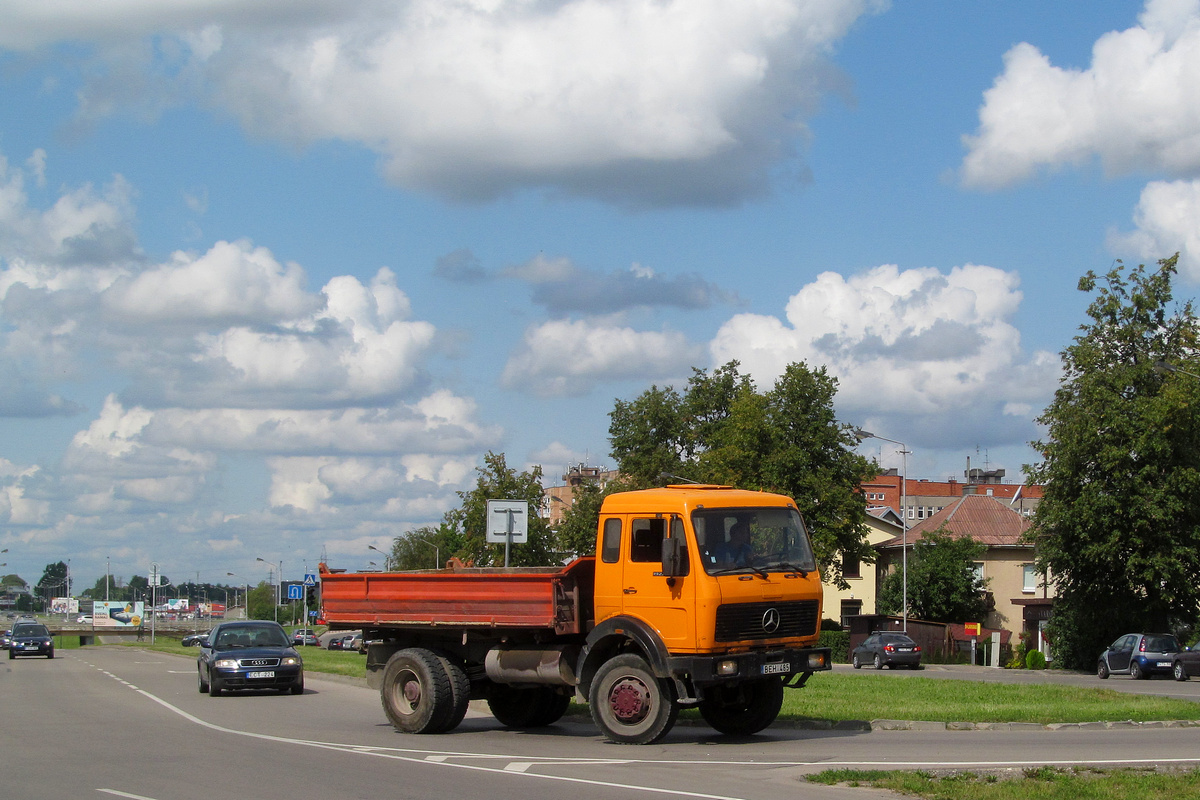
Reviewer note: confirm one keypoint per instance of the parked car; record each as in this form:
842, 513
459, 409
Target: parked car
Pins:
194, 639
83, 619
892, 650
305, 636
1186, 662
30, 639
1139, 654
250, 654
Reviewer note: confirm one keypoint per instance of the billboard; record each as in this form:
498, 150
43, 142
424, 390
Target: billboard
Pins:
64, 605
178, 606
117, 614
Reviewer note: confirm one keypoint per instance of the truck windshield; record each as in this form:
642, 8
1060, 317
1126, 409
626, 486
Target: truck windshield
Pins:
752, 540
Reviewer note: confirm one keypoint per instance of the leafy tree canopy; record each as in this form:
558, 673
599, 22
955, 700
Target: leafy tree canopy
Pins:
426, 547
942, 583
13, 579
467, 524
786, 440
576, 533
54, 580
1119, 527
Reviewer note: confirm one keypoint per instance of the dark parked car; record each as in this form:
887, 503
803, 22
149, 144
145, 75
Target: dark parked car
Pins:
1139, 654
887, 649
194, 639
1186, 662
254, 654
30, 639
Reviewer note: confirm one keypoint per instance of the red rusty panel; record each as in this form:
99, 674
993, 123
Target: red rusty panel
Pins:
476, 598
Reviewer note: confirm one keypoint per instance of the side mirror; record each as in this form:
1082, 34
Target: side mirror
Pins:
674, 557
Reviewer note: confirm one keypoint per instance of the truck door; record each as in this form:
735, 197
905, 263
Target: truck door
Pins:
650, 596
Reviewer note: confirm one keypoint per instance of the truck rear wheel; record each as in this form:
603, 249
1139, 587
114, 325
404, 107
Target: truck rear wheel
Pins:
416, 692
745, 708
460, 690
629, 704
526, 706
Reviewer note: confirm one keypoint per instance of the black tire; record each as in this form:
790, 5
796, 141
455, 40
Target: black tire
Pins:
854, 662
214, 687
201, 684
524, 707
744, 709
1179, 671
51, 653
1135, 670
460, 690
878, 661
11, 654
298, 686
629, 704
1102, 669
416, 692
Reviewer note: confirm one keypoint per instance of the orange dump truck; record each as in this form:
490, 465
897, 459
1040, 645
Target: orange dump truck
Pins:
697, 595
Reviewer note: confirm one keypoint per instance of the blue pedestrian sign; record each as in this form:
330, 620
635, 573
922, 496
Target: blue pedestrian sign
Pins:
310, 579
295, 591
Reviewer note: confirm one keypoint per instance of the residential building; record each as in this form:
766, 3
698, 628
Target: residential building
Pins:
557, 499
1019, 597
883, 525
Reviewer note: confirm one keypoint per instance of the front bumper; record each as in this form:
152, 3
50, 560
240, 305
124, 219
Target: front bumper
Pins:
31, 648
728, 668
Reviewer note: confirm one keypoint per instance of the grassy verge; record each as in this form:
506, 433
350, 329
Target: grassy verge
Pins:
1043, 783
866, 697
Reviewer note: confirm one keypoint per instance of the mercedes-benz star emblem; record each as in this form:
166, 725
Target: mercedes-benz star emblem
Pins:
770, 620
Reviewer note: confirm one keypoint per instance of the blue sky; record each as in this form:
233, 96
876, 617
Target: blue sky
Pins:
276, 276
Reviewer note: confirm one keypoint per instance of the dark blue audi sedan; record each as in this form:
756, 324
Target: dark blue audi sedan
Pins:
254, 654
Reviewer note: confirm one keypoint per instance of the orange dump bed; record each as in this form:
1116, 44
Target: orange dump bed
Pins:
522, 597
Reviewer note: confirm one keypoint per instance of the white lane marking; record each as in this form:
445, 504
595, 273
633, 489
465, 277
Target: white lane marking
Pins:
424, 759
125, 794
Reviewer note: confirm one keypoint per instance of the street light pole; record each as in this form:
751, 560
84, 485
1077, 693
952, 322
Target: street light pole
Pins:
387, 559
278, 585
904, 451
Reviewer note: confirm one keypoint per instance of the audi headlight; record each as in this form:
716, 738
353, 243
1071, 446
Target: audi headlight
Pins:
291, 661
226, 663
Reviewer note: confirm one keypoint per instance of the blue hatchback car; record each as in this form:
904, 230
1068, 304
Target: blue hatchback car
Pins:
1140, 655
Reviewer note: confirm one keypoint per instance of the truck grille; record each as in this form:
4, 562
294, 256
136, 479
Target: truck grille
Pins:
743, 621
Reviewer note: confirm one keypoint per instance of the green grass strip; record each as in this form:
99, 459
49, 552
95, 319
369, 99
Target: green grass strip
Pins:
1042, 783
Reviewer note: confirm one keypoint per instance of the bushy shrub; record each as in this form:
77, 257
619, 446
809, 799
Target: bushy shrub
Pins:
839, 644
1035, 660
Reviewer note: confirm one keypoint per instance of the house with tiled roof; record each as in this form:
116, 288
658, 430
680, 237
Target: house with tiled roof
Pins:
883, 524
1019, 597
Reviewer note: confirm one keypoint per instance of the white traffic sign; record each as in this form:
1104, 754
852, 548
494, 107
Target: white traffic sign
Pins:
310, 579
507, 521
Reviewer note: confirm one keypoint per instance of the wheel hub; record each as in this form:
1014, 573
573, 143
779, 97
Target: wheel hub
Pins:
630, 701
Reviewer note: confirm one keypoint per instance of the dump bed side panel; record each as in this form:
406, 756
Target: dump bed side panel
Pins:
478, 598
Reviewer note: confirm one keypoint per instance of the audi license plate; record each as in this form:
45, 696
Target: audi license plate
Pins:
1163, 664
266, 674
776, 669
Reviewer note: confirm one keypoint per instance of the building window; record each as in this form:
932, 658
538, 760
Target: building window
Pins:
851, 567
978, 568
1029, 578
850, 608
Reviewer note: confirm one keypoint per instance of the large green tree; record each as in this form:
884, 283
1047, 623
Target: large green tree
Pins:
942, 583
1119, 527
722, 429
495, 480
426, 547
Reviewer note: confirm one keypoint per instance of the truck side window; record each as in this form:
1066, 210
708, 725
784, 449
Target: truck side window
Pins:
647, 540
610, 548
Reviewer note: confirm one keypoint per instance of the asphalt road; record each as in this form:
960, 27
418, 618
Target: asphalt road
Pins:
118, 722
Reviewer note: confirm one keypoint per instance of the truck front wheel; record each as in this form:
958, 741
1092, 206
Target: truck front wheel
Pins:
416, 692
629, 704
743, 709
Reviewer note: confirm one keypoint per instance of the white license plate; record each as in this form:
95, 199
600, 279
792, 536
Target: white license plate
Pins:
1163, 664
267, 674
776, 669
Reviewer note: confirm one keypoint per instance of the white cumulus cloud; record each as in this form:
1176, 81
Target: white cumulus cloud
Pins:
1167, 220
1136, 107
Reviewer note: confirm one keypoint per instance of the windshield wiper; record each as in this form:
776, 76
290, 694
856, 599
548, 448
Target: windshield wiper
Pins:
735, 570
792, 567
